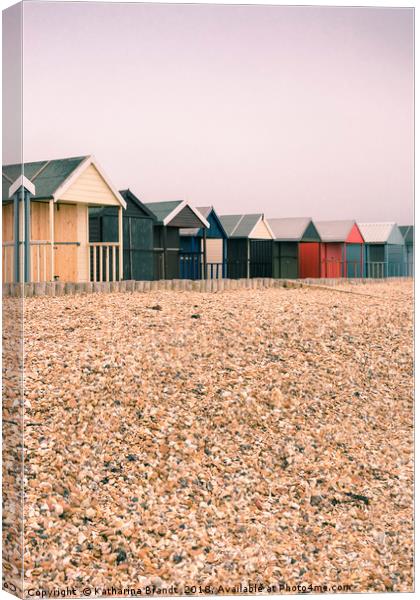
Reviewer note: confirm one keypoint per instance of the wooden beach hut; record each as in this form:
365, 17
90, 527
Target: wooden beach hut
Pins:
171, 217
384, 249
201, 246
138, 222
45, 222
295, 248
249, 246
407, 231
341, 251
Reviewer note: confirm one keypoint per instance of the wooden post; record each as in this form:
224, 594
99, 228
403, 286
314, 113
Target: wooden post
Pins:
52, 267
120, 240
107, 263
165, 252
114, 264
94, 250
16, 236
204, 253
101, 264
248, 258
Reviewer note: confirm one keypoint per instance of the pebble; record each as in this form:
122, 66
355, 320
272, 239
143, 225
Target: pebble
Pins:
277, 426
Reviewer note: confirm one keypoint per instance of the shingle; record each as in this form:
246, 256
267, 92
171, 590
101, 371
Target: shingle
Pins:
54, 173
162, 209
194, 231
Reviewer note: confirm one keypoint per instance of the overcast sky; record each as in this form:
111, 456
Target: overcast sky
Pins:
290, 111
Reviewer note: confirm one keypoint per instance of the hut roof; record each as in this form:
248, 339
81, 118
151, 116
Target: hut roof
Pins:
381, 233
335, 231
407, 231
177, 213
51, 177
206, 211
129, 196
292, 229
242, 226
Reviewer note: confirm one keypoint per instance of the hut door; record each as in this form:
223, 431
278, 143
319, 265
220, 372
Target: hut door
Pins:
309, 263
65, 253
376, 266
261, 258
354, 260
237, 258
332, 264
289, 260
138, 244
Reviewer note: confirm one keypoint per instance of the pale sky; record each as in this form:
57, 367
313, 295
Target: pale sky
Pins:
290, 111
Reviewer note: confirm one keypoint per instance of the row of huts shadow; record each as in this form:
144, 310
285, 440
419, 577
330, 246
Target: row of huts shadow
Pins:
64, 220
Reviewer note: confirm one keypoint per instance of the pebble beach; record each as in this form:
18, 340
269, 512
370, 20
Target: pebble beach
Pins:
181, 438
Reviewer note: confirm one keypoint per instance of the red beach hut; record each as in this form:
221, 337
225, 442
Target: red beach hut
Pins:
341, 250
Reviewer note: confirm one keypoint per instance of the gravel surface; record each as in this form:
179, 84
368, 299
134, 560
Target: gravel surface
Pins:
258, 436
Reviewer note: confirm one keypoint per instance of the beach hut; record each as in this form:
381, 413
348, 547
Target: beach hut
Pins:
249, 246
138, 223
407, 231
341, 251
201, 246
45, 222
384, 249
295, 248
171, 217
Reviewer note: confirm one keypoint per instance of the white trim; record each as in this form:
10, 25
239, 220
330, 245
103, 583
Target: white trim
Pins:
24, 182
180, 207
89, 160
262, 218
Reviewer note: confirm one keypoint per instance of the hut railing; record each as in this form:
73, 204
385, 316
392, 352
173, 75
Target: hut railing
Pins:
214, 270
40, 259
103, 261
409, 269
404, 269
191, 265
375, 270
342, 268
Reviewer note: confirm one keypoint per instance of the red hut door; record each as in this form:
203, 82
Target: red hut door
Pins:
332, 259
308, 259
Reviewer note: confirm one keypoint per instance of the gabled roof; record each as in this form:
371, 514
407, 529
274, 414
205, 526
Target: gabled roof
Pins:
52, 178
206, 211
381, 233
46, 175
335, 231
407, 231
242, 226
292, 229
165, 212
128, 195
